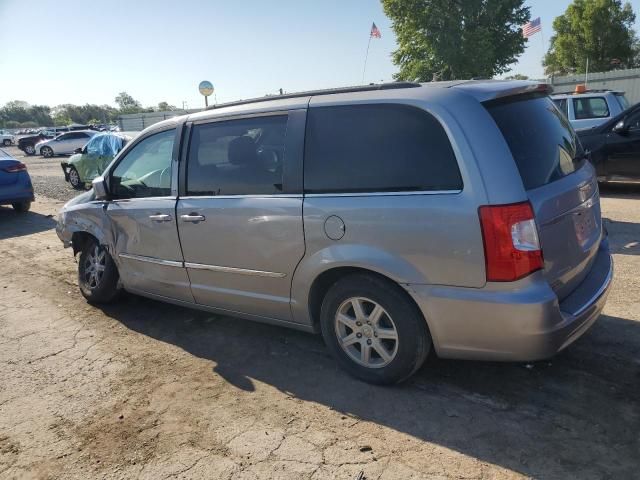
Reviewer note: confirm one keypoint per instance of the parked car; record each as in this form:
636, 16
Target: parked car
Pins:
65, 143
615, 146
90, 161
590, 108
15, 184
28, 144
392, 218
7, 138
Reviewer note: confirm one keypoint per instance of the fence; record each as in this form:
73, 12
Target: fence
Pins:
627, 81
135, 122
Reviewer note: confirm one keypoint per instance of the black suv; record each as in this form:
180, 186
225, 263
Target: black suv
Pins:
28, 144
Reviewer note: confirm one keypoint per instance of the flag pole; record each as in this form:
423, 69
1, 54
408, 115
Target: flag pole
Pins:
366, 55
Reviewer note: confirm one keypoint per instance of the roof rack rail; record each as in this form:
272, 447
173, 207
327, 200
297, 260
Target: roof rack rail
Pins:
314, 93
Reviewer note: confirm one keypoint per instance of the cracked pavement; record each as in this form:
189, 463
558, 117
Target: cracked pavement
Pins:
145, 390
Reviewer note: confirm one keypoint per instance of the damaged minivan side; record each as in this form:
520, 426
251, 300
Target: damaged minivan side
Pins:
393, 219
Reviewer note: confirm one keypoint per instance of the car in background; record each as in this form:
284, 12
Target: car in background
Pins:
15, 184
614, 147
28, 144
6, 138
65, 143
90, 161
590, 108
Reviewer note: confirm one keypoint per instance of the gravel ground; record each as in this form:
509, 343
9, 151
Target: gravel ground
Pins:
46, 175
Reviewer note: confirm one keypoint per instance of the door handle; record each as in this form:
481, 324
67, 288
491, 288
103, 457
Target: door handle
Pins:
160, 217
193, 217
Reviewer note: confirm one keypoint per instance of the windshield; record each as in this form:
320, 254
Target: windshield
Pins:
541, 140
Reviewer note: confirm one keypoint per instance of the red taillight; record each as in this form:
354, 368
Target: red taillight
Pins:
18, 167
511, 245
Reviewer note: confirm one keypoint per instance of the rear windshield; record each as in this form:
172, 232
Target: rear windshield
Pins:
542, 142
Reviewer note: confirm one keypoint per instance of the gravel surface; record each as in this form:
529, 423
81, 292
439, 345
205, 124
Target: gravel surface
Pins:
46, 175
142, 389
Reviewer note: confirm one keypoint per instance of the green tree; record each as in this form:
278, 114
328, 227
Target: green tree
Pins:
127, 104
517, 76
600, 30
165, 107
455, 39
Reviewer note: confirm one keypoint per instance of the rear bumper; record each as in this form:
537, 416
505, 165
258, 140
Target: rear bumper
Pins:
20, 191
519, 321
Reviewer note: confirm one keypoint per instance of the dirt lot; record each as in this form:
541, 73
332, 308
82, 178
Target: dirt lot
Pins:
145, 390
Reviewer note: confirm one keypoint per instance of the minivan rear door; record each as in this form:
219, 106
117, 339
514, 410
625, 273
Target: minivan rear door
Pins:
560, 183
240, 211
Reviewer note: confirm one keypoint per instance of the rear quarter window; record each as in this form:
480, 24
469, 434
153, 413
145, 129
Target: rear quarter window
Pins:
377, 148
540, 138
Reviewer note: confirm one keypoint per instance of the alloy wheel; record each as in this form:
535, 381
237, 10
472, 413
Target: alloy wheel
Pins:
94, 266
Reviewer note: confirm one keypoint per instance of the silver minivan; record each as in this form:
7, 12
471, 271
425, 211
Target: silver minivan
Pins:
395, 219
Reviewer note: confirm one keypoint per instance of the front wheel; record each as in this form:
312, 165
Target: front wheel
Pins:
373, 329
97, 274
74, 179
46, 152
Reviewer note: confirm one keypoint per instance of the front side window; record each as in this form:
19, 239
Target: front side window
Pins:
145, 171
591, 107
237, 157
377, 148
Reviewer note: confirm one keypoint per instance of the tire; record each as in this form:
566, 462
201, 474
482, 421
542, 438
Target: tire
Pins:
30, 149
6, 142
46, 152
95, 285
74, 179
404, 355
21, 207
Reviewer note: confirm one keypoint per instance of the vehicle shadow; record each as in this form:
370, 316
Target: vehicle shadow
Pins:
624, 237
575, 416
619, 190
13, 224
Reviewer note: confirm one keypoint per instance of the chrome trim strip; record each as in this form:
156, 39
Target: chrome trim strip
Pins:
157, 261
384, 194
598, 293
209, 197
243, 271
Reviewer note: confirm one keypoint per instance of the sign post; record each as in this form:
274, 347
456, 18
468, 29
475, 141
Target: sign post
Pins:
206, 89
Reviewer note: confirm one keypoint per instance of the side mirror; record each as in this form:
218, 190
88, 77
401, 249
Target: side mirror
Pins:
78, 150
100, 188
620, 128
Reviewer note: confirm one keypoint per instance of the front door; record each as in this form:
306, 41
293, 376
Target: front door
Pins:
240, 226
147, 249
624, 150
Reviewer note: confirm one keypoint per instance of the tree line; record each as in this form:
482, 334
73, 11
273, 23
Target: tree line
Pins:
19, 114
459, 39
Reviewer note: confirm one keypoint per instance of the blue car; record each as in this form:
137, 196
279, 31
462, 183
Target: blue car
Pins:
15, 184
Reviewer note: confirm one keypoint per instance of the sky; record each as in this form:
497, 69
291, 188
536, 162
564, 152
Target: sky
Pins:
80, 51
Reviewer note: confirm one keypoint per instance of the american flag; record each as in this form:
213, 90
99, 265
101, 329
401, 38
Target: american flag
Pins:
375, 32
531, 27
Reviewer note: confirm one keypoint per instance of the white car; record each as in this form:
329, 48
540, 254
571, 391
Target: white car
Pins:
7, 139
65, 144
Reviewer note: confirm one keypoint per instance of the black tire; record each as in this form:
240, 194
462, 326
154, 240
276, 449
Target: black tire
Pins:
413, 338
102, 288
6, 142
30, 149
74, 179
46, 152
21, 207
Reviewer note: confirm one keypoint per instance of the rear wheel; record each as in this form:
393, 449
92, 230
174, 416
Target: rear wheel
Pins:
21, 207
46, 152
97, 274
6, 142
373, 329
30, 149
74, 179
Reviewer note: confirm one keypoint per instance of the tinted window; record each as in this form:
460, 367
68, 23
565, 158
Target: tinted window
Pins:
238, 157
145, 171
594, 107
370, 148
541, 140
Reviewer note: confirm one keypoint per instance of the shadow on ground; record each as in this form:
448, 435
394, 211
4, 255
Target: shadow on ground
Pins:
14, 224
575, 416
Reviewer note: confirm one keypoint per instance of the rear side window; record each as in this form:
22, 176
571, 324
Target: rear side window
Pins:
622, 100
377, 148
542, 142
237, 157
590, 107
